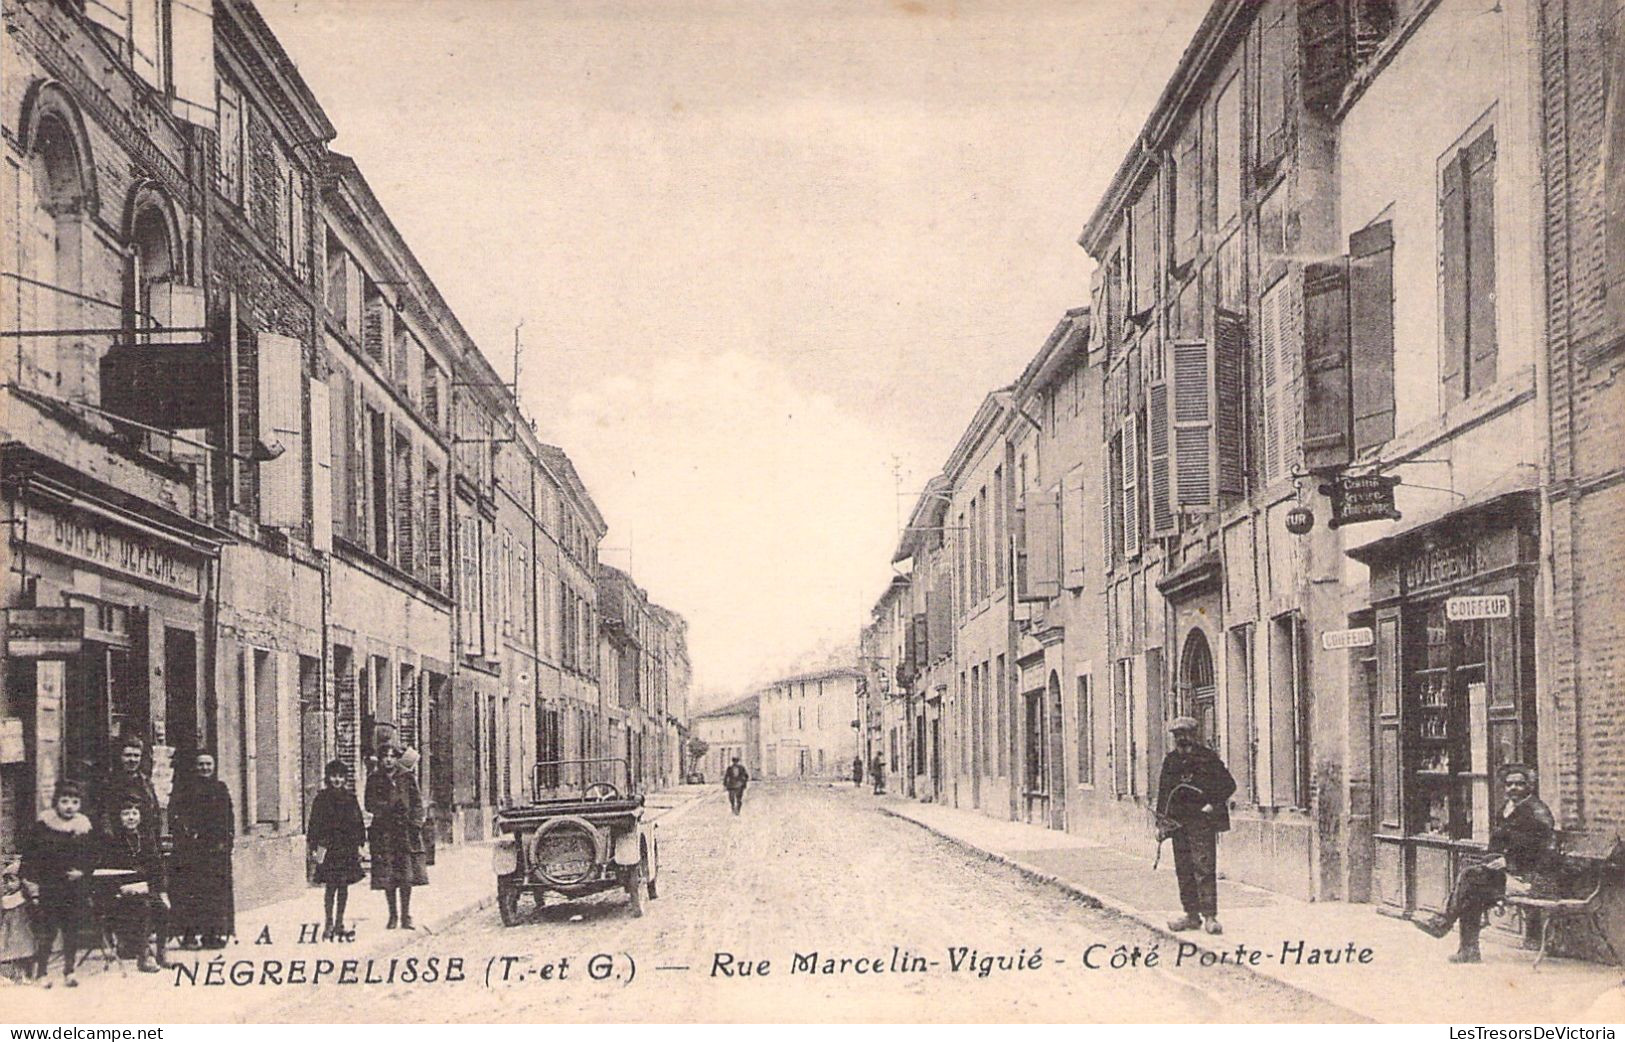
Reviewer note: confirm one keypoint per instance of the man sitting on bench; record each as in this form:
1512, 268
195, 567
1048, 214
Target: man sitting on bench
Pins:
1524, 840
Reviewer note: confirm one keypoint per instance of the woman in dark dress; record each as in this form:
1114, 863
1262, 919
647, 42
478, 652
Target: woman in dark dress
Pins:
57, 863
396, 838
205, 827
334, 836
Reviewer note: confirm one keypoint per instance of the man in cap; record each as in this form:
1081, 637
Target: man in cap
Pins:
1192, 809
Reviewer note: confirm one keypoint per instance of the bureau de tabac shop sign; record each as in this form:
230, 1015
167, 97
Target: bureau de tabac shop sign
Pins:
1364, 497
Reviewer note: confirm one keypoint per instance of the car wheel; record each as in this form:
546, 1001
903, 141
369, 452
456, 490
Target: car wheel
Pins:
508, 901
636, 884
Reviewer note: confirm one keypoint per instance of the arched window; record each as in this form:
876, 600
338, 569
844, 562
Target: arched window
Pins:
1197, 692
57, 193
152, 263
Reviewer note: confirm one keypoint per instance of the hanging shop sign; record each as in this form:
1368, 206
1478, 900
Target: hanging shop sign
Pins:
1467, 609
1363, 497
1339, 640
44, 632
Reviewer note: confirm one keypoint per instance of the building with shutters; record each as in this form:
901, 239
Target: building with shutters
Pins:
110, 552
730, 730
923, 627
881, 651
806, 724
1582, 81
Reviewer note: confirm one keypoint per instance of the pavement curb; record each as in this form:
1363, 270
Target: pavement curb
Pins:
1119, 908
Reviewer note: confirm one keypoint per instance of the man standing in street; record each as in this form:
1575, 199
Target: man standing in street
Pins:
877, 771
1523, 845
734, 779
1192, 809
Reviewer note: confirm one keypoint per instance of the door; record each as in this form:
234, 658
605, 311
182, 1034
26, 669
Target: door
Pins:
441, 769
1056, 735
180, 694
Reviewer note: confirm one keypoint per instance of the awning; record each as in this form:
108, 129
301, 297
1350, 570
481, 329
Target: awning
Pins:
1192, 577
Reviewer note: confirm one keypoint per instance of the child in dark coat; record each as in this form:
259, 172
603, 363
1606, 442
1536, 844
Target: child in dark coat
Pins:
334, 836
142, 896
57, 862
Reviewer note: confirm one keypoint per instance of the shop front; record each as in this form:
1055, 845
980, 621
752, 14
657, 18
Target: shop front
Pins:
1451, 673
105, 626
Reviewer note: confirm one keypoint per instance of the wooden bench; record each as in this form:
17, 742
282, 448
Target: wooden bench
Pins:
1588, 859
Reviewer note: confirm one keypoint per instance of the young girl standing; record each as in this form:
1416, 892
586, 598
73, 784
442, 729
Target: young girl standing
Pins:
335, 835
56, 870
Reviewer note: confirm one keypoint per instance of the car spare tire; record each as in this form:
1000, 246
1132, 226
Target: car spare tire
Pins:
566, 851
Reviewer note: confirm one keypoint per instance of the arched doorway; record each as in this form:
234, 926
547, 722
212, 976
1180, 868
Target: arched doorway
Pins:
50, 237
1198, 694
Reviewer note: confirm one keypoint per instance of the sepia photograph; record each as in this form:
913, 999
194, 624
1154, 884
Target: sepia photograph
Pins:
812, 512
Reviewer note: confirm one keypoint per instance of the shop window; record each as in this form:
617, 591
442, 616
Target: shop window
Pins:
1086, 733
1467, 356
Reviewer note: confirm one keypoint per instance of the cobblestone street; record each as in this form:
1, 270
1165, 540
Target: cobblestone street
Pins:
804, 869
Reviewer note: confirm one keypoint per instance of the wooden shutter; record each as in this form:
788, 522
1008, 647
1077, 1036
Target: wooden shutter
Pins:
145, 32
1230, 401
299, 244
1453, 280
1481, 337
321, 468
340, 427
1193, 424
112, 15
281, 402
1323, 56
1072, 548
1188, 192
1272, 379
1108, 497
191, 55
1272, 71
922, 642
1613, 218
1131, 487
939, 618
229, 143
1327, 423
435, 533
375, 330
1159, 462
1043, 523
1371, 333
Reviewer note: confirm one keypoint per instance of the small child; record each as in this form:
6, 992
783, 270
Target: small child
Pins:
56, 869
335, 835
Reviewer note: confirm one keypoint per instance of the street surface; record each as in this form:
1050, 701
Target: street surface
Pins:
806, 868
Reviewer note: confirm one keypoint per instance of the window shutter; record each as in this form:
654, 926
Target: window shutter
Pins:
1323, 59
1072, 548
229, 142
1160, 465
1131, 488
1613, 218
375, 329
360, 469
145, 32
1480, 175
281, 207
112, 15
1188, 192
340, 427
321, 468
178, 307
1371, 333
1327, 423
300, 244
435, 529
191, 50
922, 643
1108, 515
353, 290
1272, 379
1272, 70
939, 617
280, 407
1453, 281
1193, 425
1230, 401
1043, 523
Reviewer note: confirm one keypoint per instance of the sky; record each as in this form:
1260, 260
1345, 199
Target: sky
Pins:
769, 256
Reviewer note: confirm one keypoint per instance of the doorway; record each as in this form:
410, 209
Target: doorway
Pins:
1197, 690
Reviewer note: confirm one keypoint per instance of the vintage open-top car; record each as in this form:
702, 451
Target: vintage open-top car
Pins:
581, 834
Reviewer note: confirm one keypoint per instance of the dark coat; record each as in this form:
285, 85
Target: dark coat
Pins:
119, 787
132, 851
204, 825
1191, 781
53, 849
336, 827
1527, 838
735, 777
396, 806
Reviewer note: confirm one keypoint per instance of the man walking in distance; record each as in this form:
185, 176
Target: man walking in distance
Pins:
1192, 809
1523, 845
734, 779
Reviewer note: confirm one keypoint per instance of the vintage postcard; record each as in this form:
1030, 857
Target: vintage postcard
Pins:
812, 511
